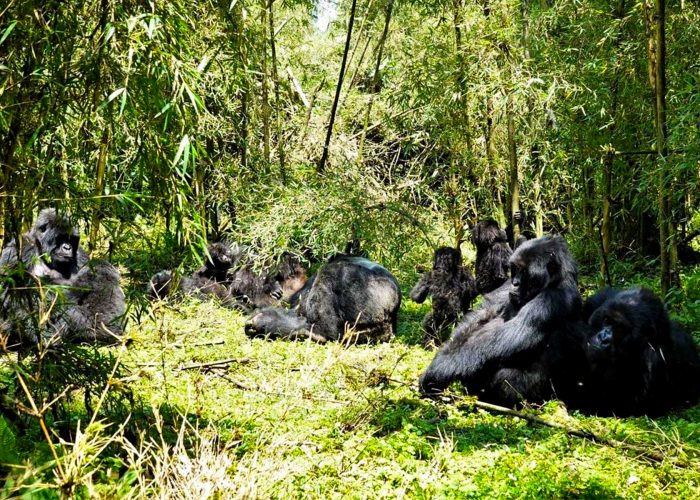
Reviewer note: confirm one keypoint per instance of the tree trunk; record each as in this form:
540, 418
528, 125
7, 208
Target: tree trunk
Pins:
275, 78
656, 52
376, 78
265, 92
324, 157
514, 182
610, 157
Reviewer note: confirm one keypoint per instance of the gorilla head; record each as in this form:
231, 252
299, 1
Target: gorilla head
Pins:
55, 239
640, 361
624, 326
220, 258
447, 260
540, 264
487, 233
492, 254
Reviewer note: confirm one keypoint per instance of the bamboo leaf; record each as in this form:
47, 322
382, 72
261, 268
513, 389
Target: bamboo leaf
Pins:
184, 143
7, 31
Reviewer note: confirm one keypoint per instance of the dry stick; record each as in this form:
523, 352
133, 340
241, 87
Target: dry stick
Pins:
222, 363
201, 344
244, 387
652, 455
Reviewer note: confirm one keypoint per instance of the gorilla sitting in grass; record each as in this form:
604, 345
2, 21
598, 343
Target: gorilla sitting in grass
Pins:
350, 298
529, 349
52, 273
641, 362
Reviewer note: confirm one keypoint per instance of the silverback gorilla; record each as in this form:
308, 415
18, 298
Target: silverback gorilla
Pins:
640, 361
452, 288
530, 349
89, 304
349, 298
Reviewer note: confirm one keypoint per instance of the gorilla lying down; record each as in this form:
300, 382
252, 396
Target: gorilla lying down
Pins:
530, 342
527, 349
84, 297
348, 295
233, 283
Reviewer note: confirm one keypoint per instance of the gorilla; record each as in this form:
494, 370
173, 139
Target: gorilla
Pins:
252, 290
492, 254
453, 289
349, 298
85, 299
290, 274
641, 362
529, 349
209, 280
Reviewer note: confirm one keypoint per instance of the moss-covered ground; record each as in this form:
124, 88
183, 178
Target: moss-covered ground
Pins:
332, 421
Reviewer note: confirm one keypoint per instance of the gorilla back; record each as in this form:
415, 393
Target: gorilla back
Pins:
347, 294
356, 293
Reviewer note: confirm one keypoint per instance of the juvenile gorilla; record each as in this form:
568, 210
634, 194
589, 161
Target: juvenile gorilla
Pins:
640, 361
530, 349
492, 254
453, 289
290, 274
346, 294
209, 280
89, 303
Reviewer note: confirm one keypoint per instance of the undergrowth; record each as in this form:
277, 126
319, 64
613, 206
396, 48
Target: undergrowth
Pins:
297, 419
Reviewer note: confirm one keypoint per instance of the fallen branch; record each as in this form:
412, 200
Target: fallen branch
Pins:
201, 344
222, 363
613, 443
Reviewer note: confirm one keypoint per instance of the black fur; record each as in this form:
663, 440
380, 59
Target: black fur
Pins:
530, 348
492, 254
453, 290
290, 274
87, 303
347, 295
211, 280
641, 362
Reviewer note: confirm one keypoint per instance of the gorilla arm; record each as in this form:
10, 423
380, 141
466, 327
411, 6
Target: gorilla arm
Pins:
94, 307
421, 291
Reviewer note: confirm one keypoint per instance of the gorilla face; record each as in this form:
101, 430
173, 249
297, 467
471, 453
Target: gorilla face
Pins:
55, 239
627, 323
447, 260
539, 264
220, 257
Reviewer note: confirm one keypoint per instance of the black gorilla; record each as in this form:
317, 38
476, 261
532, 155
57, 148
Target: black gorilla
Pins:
349, 295
88, 302
251, 290
492, 254
640, 361
290, 274
453, 290
528, 349
209, 280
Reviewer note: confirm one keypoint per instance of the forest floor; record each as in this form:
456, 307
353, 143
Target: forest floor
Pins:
277, 419
298, 419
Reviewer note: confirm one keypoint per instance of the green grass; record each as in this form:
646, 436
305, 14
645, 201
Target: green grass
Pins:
290, 420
